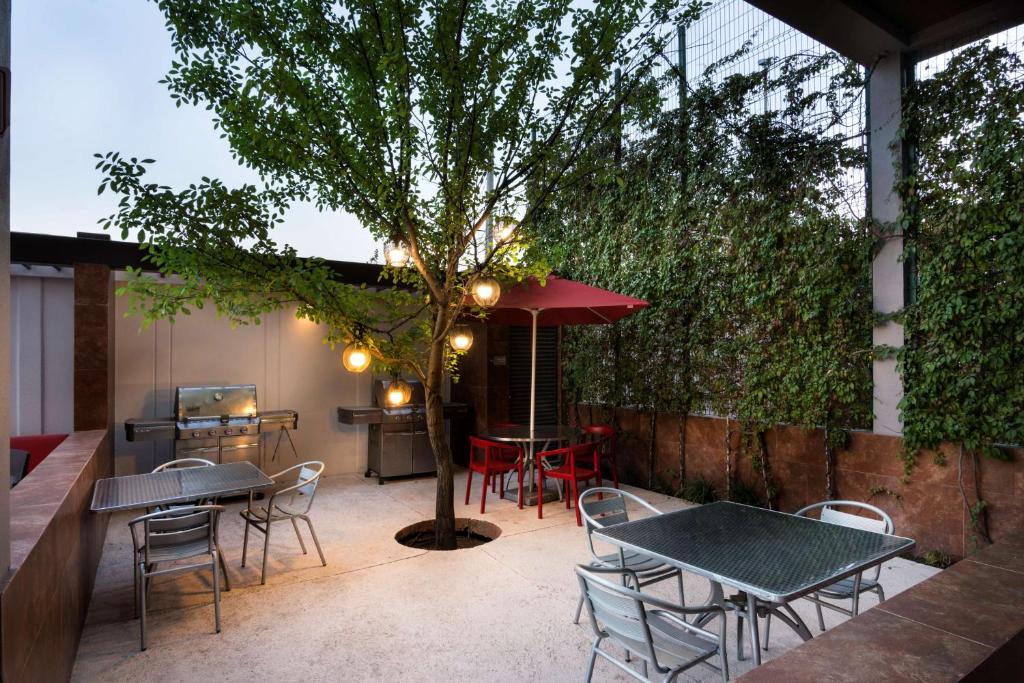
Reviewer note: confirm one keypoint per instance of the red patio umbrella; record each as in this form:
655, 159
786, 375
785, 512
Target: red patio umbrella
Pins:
558, 301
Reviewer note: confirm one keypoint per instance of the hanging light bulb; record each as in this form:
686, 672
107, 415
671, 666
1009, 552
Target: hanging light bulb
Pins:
461, 337
356, 357
505, 231
399, 392
486, 291
396, 253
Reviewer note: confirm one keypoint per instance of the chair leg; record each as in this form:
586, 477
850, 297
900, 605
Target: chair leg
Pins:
216, 590
576, 502
245, 541
767, 630
739, 636
881, 593
302, 544
593, 659
142, 605
135, 584
266, 551
682, 594
579, 610
469, 484
483, 493
540, 492
821, 617
519, 496
316, 541
224, 567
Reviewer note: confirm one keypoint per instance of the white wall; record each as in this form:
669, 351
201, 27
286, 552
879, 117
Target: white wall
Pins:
284, 357
41, 351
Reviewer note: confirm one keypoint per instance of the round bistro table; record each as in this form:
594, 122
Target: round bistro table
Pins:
543, 437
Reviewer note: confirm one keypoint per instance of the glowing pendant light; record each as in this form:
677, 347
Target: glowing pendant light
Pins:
461, 337
396, 253
398, 393
486, 291
356, 357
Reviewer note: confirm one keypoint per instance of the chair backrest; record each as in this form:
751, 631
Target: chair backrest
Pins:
183, 462
880, 524
307, 477
577, 455
604, 506
481, 450
618, 613
176, 534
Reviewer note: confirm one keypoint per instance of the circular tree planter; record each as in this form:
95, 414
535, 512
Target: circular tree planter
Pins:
469, 534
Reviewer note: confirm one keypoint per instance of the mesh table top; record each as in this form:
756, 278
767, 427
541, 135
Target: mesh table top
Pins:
176, 486
773, 555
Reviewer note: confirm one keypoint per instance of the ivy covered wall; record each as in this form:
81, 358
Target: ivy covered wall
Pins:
736, 224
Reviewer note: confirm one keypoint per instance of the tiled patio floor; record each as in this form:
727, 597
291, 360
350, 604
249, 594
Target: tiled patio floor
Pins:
499, 612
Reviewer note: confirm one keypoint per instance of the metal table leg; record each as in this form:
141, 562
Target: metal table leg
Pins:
755, 639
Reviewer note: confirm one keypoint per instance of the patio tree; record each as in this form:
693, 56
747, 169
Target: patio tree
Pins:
394, 112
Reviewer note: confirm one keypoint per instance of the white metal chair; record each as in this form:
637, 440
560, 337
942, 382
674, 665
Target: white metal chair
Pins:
844, 589
654, 630
172, 536
185, 463
604, 506
298, 485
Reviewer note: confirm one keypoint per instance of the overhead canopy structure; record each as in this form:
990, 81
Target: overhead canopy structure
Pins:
864, 30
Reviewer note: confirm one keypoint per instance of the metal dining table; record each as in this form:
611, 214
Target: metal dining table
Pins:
771, 557
175, 486
543, 436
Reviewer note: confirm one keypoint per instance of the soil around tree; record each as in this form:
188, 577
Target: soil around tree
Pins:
469, 533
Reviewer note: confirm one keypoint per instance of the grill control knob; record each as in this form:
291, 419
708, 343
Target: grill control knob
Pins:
244, 430
227, 431
213, 432
195, 435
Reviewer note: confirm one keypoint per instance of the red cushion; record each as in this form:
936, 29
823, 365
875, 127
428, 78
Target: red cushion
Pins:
38, 446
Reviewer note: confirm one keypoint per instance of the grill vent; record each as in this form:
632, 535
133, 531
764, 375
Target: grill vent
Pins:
547, 375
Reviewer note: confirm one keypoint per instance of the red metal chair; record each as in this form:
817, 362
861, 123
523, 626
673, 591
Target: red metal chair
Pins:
579, 463
491, 458
604, 437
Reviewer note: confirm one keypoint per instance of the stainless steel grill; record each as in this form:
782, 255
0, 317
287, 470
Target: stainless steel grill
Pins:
398, 441
217, 423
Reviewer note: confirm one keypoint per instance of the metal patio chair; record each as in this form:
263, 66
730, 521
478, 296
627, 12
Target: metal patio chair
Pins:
604, 506
653, 630
844, 589
172, 536
299, 496
184, 463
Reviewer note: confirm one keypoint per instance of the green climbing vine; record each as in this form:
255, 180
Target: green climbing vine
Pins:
732, 222
963, 362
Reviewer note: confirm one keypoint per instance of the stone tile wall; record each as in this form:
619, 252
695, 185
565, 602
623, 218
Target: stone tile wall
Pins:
56, 543
928, 506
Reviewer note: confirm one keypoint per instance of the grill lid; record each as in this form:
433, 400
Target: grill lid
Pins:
223, 403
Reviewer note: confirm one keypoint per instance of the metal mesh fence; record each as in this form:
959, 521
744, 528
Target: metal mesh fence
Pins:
1012, 39
729, 27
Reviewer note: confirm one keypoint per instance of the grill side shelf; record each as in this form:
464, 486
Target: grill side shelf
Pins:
360, 415
149, 430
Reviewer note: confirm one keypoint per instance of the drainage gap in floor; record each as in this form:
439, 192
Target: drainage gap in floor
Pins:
469, 534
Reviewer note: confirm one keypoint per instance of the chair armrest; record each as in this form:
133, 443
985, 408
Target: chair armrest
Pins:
685, 625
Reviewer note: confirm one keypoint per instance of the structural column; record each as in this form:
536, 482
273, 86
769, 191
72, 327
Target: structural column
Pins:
94, 347
888, 271
5, 283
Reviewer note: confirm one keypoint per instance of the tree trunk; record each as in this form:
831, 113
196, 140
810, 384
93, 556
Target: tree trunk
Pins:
444, 504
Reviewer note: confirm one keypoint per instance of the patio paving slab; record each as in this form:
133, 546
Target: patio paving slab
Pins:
498, 612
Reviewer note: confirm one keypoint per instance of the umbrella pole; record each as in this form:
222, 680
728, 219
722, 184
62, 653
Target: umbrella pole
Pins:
533, 391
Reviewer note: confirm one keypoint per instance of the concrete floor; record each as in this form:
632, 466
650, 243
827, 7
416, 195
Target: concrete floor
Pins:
499, 612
